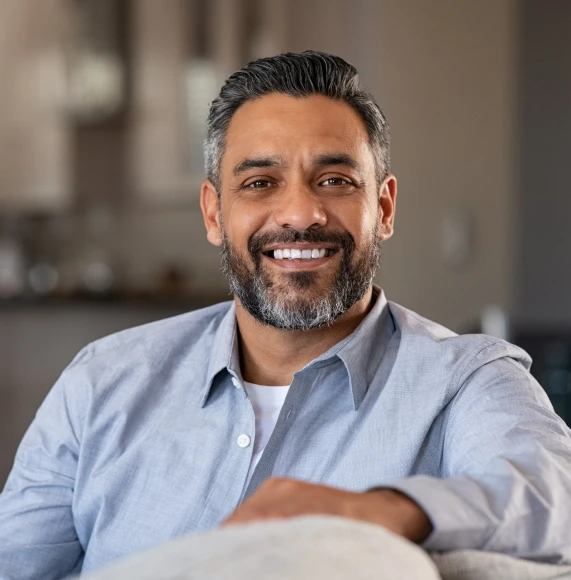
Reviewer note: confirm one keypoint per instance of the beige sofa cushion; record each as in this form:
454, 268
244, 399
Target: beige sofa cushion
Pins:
316, 547
474, 565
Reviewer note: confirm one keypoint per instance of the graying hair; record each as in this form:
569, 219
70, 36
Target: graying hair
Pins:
296, 75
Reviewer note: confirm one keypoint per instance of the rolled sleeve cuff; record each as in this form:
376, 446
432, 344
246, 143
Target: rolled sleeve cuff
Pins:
457, 510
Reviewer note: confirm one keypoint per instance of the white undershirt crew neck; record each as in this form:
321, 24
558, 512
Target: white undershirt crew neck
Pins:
267, 403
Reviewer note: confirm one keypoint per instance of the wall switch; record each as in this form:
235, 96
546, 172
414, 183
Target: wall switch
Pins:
456, 237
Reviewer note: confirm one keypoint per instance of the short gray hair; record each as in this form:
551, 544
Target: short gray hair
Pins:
296, 75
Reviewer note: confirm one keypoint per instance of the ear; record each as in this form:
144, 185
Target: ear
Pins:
387, 204
210, 206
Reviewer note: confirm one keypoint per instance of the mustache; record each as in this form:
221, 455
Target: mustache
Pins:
342, 240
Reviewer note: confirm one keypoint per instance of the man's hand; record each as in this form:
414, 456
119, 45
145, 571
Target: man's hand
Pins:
281, 498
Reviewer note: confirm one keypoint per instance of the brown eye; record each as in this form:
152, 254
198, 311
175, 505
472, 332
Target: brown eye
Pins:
258, 184
336, 181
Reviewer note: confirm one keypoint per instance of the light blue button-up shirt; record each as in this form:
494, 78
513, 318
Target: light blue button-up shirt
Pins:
142, 440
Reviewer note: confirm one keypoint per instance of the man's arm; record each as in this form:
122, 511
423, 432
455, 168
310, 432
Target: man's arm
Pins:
506, 483
280, 498
37, 533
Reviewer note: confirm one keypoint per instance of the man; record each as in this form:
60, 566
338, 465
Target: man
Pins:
309, 393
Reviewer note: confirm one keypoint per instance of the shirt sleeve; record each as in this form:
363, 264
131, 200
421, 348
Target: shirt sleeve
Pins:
506, 470
38, 539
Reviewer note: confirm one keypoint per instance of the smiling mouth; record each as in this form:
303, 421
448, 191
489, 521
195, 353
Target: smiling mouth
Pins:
300, 254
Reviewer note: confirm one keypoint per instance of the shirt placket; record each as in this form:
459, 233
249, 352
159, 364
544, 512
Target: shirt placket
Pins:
236, 455
298, 392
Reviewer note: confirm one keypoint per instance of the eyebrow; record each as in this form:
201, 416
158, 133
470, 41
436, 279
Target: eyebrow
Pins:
256, 163
324, 160
328, 159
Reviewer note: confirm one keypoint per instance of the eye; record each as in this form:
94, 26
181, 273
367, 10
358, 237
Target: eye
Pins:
258, 184
336, 181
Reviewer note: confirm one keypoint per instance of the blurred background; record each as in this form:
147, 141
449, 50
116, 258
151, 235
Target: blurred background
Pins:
102, 110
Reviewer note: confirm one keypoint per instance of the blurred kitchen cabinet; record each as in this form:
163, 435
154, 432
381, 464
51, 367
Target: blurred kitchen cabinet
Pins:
182, 50
156, 140
34, 137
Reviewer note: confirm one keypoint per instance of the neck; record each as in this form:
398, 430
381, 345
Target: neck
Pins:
271, 356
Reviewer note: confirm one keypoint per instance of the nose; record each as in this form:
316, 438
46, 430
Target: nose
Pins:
300, 208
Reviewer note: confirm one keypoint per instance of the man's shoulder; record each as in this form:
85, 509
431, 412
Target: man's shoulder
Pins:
413, 324
420, 336
190, 329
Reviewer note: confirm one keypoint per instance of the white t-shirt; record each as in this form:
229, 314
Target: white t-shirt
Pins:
267, 403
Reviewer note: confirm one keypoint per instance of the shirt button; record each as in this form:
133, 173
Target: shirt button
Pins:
243, 440
236, 383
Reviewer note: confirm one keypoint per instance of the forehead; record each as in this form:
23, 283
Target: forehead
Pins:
292, 128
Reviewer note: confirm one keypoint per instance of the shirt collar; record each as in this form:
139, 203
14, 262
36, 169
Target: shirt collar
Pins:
363, 350
360, 352
225, 353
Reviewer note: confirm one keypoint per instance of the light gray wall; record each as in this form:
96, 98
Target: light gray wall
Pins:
449, 87
544, 236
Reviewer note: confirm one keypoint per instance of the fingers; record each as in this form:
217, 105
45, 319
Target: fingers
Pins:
280, 498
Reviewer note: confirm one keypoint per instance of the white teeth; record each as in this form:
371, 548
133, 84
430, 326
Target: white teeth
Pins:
294, 253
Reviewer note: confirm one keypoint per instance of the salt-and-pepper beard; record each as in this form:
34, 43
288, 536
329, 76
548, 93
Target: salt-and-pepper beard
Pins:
256, 291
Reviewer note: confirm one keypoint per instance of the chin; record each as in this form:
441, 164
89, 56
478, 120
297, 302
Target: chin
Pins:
302, 286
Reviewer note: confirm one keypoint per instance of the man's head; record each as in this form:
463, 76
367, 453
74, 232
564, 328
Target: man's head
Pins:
297, 161
296, 75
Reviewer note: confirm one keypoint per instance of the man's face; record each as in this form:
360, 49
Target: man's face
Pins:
300, 217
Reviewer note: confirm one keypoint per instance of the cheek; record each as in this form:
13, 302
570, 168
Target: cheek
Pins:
359, 219
242, 221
